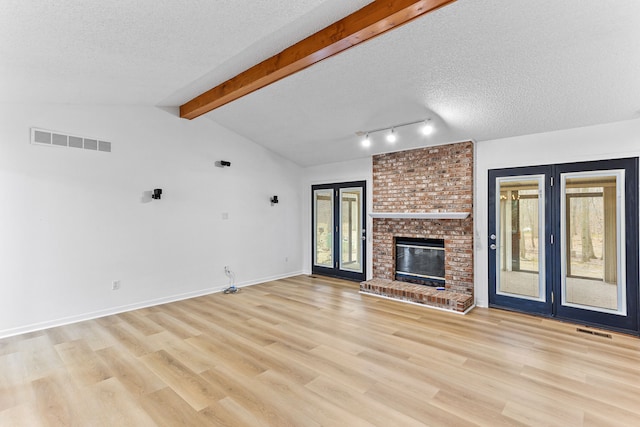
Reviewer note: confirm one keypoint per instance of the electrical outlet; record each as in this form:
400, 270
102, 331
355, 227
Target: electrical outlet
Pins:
226, 269
115, 285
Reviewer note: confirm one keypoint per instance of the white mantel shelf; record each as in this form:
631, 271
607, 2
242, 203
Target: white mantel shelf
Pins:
420, 215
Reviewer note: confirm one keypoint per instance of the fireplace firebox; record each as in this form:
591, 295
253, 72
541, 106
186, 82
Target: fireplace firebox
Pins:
420, 261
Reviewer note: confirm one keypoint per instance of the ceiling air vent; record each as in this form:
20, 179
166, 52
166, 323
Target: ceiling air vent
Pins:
49, 137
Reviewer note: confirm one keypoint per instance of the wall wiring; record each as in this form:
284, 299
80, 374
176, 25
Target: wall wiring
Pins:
232, 289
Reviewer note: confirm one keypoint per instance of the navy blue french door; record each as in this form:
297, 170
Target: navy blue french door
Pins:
519, 228
563, 242
339, 230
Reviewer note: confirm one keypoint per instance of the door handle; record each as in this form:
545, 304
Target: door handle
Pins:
492, 246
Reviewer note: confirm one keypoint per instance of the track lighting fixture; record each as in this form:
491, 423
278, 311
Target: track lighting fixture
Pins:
426, 129
391, 136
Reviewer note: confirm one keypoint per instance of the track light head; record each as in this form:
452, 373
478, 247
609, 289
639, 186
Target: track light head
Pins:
366, 142
391, 137
427, 128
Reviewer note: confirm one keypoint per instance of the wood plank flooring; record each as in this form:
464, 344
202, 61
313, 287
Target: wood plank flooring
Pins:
311, 351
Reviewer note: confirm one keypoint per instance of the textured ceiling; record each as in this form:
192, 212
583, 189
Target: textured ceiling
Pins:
481, 69
143, 51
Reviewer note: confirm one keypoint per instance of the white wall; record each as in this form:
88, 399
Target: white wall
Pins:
609, 141
354, 170
73, 220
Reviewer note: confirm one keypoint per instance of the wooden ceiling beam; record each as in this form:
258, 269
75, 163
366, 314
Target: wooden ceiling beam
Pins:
372, 20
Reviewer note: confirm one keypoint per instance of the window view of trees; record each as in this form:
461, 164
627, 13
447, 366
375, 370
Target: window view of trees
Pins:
351, 230
528, 218
324, 228
519, 238
591, 235
585, 231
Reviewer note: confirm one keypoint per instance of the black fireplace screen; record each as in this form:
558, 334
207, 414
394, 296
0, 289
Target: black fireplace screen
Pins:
420, 261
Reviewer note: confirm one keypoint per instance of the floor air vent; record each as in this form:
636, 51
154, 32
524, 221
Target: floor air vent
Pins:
598, 334
52, 138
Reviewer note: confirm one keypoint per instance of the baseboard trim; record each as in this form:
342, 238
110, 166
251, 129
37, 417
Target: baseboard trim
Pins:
34, 327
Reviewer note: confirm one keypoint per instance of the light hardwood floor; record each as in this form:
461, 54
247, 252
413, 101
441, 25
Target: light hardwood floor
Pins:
311, 351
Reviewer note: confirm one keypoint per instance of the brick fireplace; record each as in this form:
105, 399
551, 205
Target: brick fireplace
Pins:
436, 183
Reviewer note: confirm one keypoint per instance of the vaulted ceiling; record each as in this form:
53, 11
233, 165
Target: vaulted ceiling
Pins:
480, 69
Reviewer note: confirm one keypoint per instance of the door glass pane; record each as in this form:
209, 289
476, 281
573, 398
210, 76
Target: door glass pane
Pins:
351, 229
592, 248
520, 237
323, 227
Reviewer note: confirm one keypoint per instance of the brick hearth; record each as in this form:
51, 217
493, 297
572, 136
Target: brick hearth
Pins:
433, 179
419, 294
